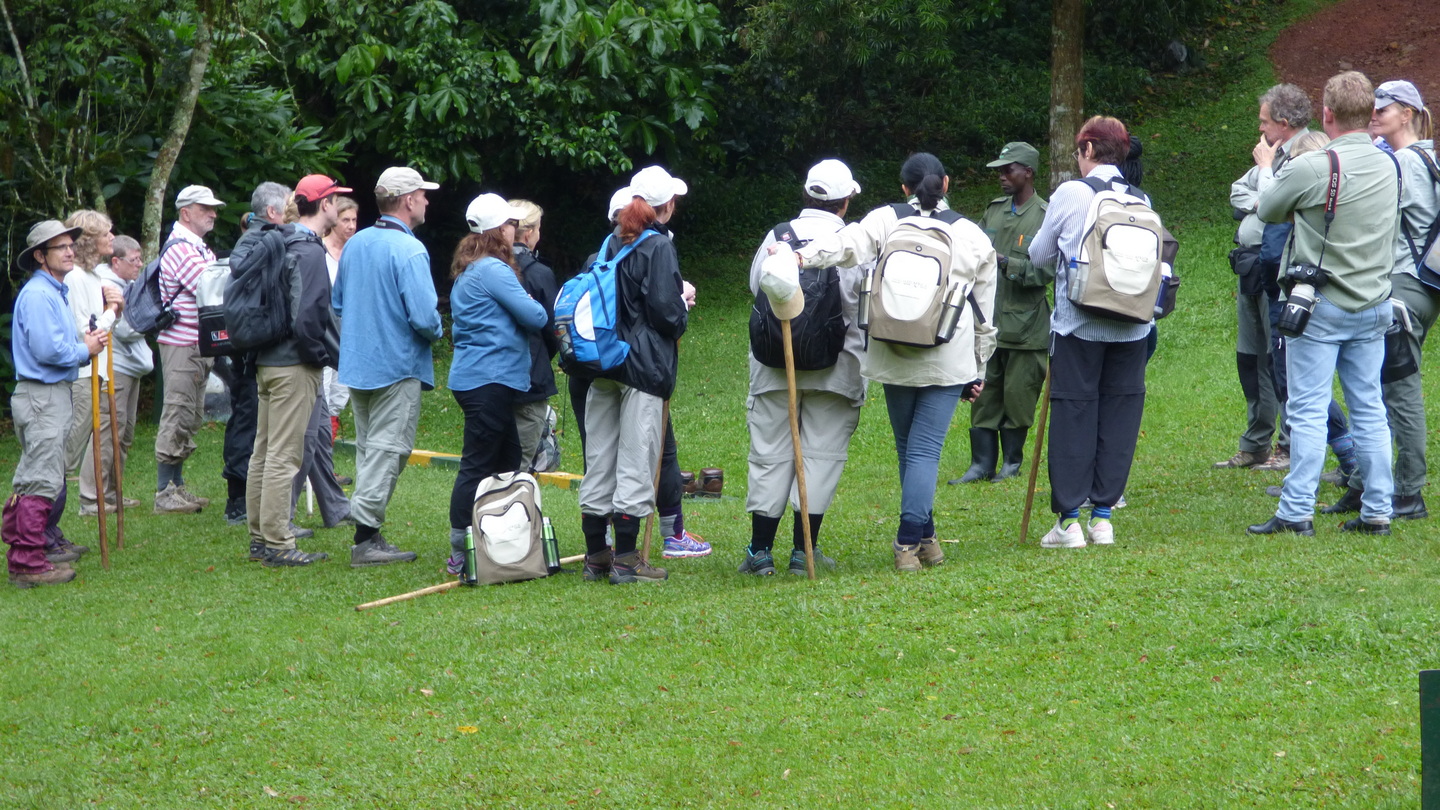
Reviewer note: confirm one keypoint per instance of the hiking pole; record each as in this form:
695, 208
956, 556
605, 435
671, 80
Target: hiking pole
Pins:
795, 442
1035, 455
441, 588
95, 447
119, 465
650, 519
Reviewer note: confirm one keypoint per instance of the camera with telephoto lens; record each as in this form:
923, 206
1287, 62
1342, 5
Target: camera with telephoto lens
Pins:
1303, 280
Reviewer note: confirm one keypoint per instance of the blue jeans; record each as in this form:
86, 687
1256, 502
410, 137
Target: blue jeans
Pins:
1353, 344
919, 418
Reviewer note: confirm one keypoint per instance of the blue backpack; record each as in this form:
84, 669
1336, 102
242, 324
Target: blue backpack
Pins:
587, 317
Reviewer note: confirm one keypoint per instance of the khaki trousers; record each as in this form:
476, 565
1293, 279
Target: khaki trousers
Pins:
127, 399
184, 372
287, 397
385, 423
42, 418
827, 421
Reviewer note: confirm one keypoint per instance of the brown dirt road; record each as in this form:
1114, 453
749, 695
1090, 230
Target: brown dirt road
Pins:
1385, 39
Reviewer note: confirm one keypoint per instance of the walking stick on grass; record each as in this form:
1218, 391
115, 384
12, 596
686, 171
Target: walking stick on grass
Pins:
119, 465
650, 519
95, 447
441, 588
1035, 455
795, 442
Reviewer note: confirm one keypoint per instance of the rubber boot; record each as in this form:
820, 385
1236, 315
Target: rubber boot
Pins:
1349, 502
1012, 440
984, 452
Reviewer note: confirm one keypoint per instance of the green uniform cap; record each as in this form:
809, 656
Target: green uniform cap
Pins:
1017, 152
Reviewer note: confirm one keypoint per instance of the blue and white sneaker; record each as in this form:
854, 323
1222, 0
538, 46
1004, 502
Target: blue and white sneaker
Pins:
686, 544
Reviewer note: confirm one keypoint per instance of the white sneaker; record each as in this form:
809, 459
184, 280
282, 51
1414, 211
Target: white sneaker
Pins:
1101, 532
1057, 537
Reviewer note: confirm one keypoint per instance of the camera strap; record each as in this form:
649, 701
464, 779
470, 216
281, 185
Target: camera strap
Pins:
1332, 197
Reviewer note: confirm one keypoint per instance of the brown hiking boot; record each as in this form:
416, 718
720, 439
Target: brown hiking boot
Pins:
56, 576
907, 558
597, 566
169, 501
629, 568
930, 553
192, 497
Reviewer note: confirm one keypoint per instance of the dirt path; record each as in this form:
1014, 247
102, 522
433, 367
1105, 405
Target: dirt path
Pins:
1385, 39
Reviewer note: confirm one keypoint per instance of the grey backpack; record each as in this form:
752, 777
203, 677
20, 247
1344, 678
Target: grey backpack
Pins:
1119, 271
506, 524
909, 297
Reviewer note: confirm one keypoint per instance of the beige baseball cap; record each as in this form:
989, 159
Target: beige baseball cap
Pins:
398, 180
196, 195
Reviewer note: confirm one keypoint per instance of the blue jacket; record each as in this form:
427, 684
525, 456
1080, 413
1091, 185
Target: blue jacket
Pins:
42, 337
384, 292
492, 317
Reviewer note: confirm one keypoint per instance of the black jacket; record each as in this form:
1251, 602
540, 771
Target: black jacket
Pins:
539, 280
314, 335
652, 314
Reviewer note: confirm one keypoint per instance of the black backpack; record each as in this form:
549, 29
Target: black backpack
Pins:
257, 297
146, 310
817, 334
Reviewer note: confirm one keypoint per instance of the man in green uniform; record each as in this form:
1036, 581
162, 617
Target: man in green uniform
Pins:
1003, 414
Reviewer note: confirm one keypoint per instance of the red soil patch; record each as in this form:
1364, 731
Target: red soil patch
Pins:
1384, 39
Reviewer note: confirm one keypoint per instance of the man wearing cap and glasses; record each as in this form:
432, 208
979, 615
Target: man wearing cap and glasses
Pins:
47, 353
287, 379
828, 400
386, 295
1001, 417
183, 369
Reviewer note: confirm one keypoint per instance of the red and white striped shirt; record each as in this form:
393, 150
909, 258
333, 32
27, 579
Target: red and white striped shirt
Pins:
180, 271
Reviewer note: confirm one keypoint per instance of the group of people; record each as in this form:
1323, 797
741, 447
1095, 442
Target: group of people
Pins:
1344, 215
1361, 249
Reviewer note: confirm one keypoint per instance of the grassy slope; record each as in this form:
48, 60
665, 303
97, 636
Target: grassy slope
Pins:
1189, 666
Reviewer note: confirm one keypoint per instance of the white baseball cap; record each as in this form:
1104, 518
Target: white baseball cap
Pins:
490, 211
619, 200
831, 180
398, 180
196, 195
655, 186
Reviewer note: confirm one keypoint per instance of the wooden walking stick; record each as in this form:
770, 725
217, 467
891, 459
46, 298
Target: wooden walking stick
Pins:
99, 466
119, 464
650, 519
795, 442
1035, 455
441, 588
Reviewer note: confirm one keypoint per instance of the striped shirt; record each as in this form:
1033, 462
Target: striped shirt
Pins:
180, 270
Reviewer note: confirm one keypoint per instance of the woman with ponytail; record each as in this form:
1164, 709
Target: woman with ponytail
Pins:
624, 406
1402, 120
493, 318
922, 385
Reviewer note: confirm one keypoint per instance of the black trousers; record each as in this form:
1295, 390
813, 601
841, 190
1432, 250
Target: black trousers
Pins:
244, 413
1097, 397
492, 444
671, 488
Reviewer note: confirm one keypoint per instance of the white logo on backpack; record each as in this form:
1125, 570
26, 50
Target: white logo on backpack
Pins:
1118, 272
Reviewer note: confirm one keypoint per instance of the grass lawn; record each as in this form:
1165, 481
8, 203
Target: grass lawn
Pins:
1188, 666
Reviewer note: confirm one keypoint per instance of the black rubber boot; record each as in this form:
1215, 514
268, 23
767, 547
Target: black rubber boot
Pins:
1012, 441
1349, 502
1409, 507
984, 452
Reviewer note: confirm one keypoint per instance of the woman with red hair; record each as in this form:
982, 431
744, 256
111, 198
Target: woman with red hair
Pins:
1097, 364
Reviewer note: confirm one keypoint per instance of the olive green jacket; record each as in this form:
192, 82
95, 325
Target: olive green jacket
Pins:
1022, 313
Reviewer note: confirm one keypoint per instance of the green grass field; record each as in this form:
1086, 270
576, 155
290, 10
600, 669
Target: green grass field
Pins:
1188, 666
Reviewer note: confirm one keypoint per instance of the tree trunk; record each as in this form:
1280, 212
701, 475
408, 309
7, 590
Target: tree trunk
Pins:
175, 137
1067, 86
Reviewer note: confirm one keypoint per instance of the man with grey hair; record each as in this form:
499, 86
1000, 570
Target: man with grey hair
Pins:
1284, 118
267, 207
133, 361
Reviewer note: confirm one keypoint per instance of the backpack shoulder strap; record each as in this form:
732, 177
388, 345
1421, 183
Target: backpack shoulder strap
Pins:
903, 210
948, 216
1429, 162
169, 243
785, 232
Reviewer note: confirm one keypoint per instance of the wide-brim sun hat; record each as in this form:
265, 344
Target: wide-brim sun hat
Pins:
41, 233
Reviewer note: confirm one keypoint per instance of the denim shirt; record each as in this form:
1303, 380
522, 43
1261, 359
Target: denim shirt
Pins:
493, 318
42, 337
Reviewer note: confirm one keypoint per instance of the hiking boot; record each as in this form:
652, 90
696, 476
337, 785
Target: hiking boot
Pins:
1244, 458
907, 558
1101, 533
64, 543
300, 533
1364, 526
344, 480
685, 544
55, 576
629, 568
257, 552
1409, 507
1279, 460
291, 557
60, 554
797, 561
93, 509
169, 501
192, 497
1349, 502
762, 563
235, 511
930, 552
597, 566
376, 551
1064, 537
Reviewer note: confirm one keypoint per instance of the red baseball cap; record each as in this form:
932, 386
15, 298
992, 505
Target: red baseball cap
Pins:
315, 187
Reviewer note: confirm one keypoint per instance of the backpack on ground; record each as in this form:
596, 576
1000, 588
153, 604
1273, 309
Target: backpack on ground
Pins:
209, 303
908, 298
1427, 258
587, 315
506, 525
817, 334
1118, 273
545, 455
257, 297
146, 310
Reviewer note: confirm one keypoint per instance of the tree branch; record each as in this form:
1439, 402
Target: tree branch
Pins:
19, 56
175, 137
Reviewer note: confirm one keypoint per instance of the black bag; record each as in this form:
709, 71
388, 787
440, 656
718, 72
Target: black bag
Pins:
1245, 261
257, 297
1399, 360
145, 310
817, 334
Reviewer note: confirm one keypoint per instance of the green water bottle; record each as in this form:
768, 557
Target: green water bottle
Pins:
552, 548
468, 576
